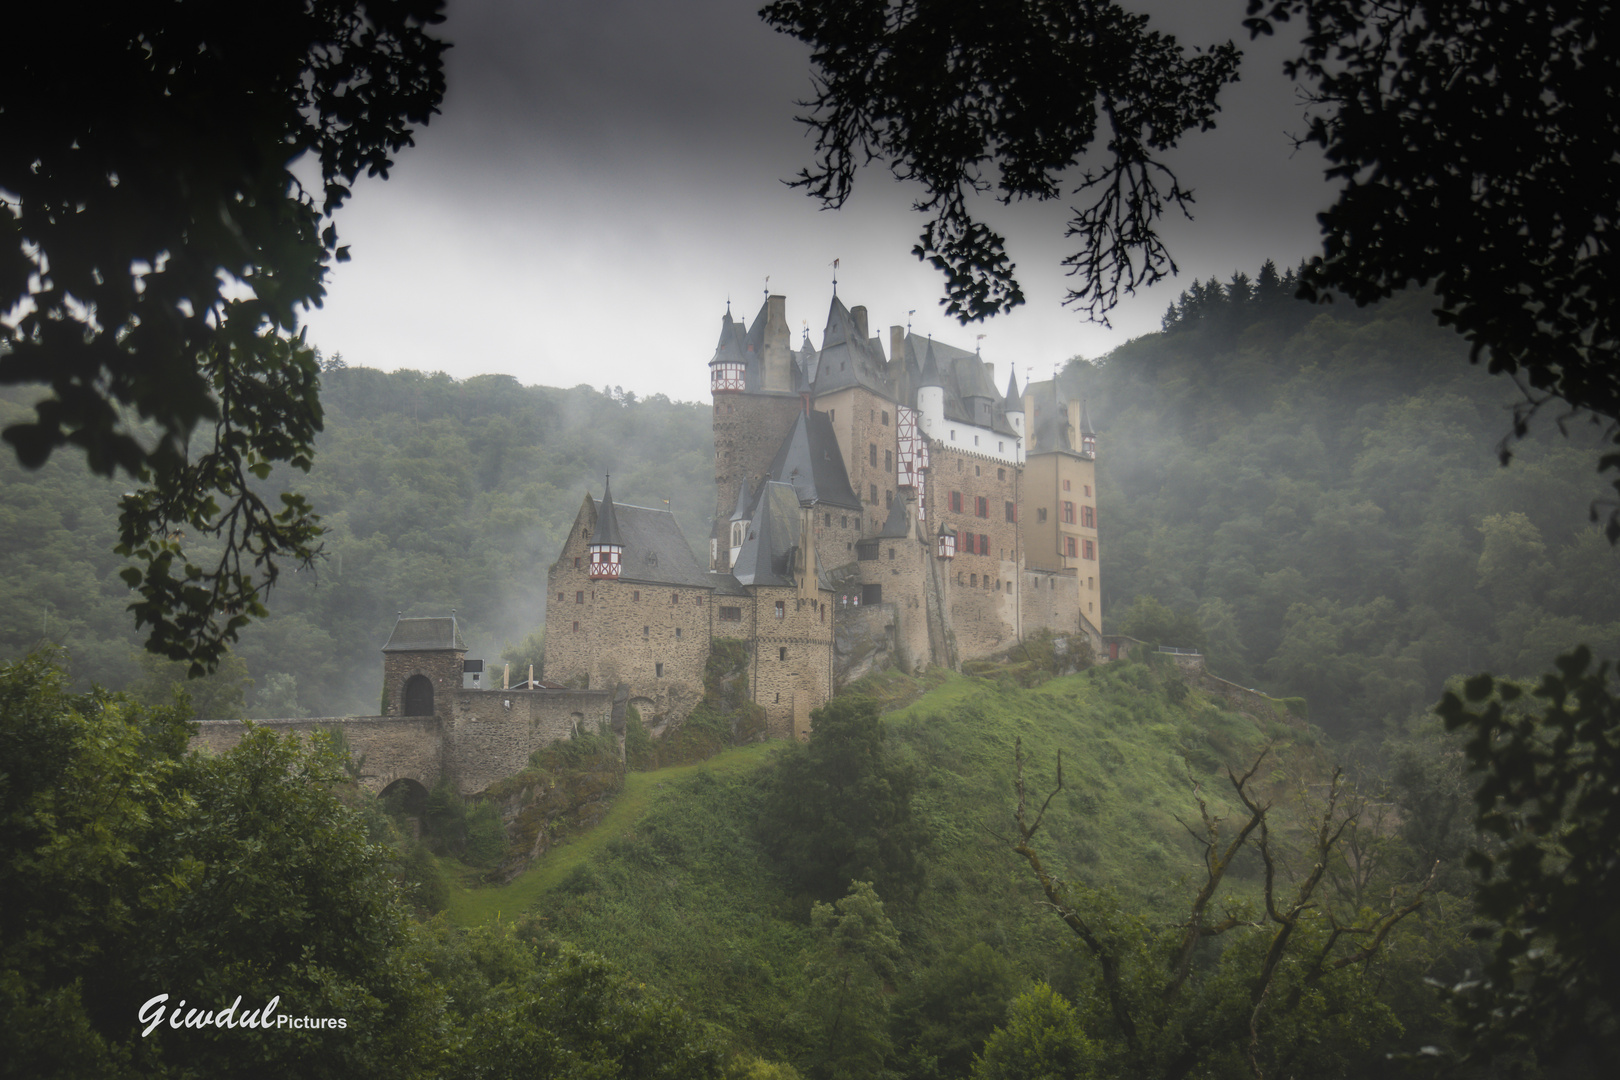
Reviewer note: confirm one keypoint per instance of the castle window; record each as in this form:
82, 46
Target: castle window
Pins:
888, 500
871, 594
576, 562
828, 520
975, 470
891, 552
975, 440
832, 414
731, 614
885, 418
781, 609
956, 502
873, 499
579, 597
1001, 474
1091, 549
781, 653
866, 550
981, 506
635, 595
1091, 583
953, 434
1001, 447
984, 544
823, 608
959, 577
576, 626
674, 597
646, 631
973, 579
778, 700
1012, 512
1088, 516
559, 598
1088, 490
699, 599
843, 521
658, 671
871, 454
1090, 606
1040, 513
1068, 513
1070, 548
888, 458
677, 631
998, 585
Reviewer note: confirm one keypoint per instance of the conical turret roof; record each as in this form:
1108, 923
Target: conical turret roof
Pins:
1013, 403
930, 369
1085, 418
607, 522
741, 513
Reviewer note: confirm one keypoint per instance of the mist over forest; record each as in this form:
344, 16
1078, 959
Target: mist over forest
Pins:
1310, 494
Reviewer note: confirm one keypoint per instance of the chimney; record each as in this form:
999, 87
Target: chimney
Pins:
897, 342
859, 315
778, 345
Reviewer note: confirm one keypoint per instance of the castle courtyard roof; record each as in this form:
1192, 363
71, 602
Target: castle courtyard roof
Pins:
655, 549
425, 635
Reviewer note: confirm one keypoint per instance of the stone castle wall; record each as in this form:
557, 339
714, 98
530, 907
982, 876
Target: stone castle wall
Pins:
489, 734
792, 670
603, 633
982, 590
389, 748
748, 430
867, 428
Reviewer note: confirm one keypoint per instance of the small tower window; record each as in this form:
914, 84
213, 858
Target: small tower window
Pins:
658, 671
1001, 474
579, 597
781, 653
635, 595
677, 631
781, 609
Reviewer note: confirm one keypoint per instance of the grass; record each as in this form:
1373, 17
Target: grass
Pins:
674, 886
472, 905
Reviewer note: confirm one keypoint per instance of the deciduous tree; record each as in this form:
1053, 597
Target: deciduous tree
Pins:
156, 245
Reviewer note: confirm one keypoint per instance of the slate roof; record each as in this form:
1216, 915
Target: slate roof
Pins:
425, 635
847, 358
655, 549
810, 461
607, 523
964, 375
897, 526
1013, 402
766, 556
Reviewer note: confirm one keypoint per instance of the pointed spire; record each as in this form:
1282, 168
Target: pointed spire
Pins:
930, 370
1085, 418
1013, 402
741, 513
607, 522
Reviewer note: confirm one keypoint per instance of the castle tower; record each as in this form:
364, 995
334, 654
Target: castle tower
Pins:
1014, 406
422, 664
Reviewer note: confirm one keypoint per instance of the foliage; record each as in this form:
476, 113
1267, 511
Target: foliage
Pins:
435, 494
156, 245
130, 868
840, 808
850, 969
1150, 621
946, 1012
219, 695
1282, 994
1318, 487
1042, 1037
131, 871
1401, 97
1549, 799
949, 94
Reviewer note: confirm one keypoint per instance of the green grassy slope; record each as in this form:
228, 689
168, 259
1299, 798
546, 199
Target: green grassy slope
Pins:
675, 887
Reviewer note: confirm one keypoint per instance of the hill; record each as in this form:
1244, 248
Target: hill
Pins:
677, 887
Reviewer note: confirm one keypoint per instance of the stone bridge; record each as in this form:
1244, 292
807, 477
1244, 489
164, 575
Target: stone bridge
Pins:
434, 728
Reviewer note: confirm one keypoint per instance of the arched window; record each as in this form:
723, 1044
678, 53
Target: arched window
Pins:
418, 696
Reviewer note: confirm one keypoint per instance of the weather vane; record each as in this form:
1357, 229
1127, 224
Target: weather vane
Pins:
767, 285
835, 276
909, 314
977, 347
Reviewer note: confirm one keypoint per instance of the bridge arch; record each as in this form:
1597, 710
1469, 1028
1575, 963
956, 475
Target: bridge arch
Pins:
412, 795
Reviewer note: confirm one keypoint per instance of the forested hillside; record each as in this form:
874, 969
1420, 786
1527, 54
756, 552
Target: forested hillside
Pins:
1315, 492
436, 494
1311, 493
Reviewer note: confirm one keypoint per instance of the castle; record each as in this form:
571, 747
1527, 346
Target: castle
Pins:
870, 508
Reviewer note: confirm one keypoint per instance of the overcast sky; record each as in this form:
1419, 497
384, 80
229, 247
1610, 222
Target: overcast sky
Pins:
604, 176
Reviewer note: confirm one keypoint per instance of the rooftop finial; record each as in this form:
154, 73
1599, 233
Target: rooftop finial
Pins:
909, 314
978, 344
767, 284
835, 276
